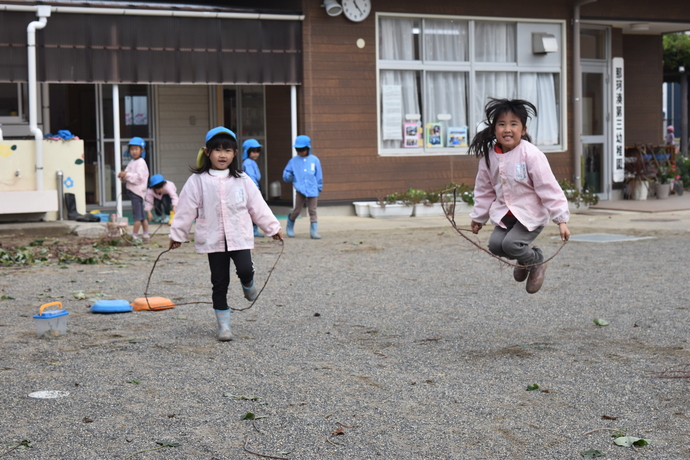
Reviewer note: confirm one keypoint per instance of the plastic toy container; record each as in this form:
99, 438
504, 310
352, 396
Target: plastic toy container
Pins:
53, 322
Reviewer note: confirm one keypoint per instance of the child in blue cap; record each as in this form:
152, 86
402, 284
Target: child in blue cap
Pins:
136, 176
251, 149
161, 197
304, 171
224, 202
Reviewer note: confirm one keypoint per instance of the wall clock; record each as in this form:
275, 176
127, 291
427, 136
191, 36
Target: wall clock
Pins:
356, 10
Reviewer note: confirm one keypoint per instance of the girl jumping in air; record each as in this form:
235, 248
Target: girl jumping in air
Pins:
516, 189
224, 202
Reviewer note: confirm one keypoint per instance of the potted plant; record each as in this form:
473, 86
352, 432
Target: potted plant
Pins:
426, 204
666, 173
393, 205
637, 175
578, 200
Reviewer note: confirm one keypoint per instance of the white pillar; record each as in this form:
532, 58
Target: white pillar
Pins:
293, 123
116, 147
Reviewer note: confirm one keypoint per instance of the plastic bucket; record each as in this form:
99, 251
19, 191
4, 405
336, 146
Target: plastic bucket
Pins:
53, 322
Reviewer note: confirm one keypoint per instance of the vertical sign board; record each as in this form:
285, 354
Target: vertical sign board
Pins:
618, 120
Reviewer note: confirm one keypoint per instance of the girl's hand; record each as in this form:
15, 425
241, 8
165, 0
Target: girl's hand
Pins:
476, 226
278, 236
175, 244
563, 229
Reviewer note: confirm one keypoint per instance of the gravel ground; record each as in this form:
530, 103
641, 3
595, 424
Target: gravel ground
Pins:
411, 342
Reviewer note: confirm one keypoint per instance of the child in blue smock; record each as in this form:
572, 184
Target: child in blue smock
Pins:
304, 171
251, 151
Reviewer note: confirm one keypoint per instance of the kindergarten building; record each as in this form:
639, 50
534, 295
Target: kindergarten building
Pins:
389, 91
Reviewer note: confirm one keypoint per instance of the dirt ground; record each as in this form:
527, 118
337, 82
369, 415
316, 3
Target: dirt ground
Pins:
401, 343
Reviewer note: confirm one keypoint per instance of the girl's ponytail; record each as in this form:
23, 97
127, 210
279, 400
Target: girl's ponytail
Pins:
482, 142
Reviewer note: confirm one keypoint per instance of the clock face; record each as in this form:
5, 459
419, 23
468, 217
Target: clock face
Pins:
356, 10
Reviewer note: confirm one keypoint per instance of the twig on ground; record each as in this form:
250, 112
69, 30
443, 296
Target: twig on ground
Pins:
600, 429
347, 426
246, 443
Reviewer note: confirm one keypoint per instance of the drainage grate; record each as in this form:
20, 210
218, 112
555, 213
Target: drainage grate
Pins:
607, 238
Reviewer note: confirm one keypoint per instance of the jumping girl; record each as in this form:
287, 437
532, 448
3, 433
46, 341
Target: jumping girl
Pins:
224, 202
516, 189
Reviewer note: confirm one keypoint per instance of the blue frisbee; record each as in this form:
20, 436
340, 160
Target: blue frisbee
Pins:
111, 306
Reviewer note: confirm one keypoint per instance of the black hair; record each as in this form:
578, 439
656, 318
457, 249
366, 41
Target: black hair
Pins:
223, 141
485, 139
160, 184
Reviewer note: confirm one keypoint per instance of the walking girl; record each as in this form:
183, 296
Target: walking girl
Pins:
224, 201
516, 189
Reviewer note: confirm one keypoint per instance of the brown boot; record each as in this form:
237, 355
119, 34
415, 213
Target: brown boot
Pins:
520, 273
536, 278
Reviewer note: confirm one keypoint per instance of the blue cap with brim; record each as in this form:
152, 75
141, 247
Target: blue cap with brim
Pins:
302, 141
219, 130
249, 144
155, 180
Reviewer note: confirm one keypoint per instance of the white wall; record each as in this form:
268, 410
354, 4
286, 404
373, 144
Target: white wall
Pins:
183, 120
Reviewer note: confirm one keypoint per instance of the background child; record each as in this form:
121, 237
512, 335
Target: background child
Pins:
161, 197
670, 137
136, 175
516, 189
304, 171
251, 149
224, 202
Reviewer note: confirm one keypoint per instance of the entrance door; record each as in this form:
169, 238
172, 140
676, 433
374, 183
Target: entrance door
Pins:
135, 120
596, 151
244, 113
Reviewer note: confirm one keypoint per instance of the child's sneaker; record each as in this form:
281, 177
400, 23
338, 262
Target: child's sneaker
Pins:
146, 238
536, 278
166, 220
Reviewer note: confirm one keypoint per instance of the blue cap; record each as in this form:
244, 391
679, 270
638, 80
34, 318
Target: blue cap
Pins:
156, 179
219, 130
139, 142
302, 141
249, 144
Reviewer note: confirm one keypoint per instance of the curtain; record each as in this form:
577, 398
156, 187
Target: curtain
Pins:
446, 93
494, 41
497, 85
445, 40
540, 90
407, 79
397, 39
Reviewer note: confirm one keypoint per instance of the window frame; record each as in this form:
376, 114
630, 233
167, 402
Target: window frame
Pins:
471, 67
22, 110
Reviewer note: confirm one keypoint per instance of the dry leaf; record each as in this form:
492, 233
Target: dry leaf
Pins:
339, 431
608, 417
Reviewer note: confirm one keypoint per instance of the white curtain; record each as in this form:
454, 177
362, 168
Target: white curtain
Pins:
497, 85
494, 41
540, 90
397, 39
397, 42
446, 93
445, 40
407, 79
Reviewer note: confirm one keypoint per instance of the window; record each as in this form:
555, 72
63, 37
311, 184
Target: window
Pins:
13, 99
437, 74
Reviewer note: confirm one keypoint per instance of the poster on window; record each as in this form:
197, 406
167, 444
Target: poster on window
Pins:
457, 136
136, 110
618, 120
391, 101
413, 135
434, 135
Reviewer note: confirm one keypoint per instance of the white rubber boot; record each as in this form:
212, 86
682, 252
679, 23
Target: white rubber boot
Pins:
251, 291
223, 317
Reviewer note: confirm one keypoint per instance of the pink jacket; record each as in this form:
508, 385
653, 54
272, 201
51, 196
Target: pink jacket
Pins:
224, 208
520, 181
168, 189
136, 176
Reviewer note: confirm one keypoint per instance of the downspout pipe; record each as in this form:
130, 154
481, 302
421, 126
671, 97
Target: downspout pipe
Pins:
43, 13
577, 96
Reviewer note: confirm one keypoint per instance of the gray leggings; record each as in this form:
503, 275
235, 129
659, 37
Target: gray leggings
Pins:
513, 242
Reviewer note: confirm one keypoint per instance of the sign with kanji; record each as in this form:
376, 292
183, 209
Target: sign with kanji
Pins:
618, 119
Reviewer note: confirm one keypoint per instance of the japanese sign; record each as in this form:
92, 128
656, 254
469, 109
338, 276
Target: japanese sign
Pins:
618, 119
